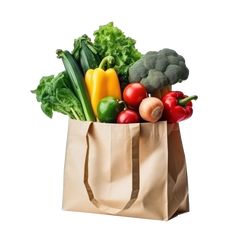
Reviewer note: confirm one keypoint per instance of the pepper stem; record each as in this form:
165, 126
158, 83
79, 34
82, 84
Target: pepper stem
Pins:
122, 104
106, 62
183, 102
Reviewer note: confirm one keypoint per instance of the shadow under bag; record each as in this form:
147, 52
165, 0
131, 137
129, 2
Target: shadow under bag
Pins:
135, 170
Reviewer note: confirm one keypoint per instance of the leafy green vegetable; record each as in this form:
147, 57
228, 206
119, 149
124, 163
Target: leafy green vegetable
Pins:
56, 94
111, 41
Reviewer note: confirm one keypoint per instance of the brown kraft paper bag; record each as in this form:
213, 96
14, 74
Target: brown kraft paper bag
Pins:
135, 170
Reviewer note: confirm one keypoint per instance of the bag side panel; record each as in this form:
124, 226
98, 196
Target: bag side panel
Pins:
178, 201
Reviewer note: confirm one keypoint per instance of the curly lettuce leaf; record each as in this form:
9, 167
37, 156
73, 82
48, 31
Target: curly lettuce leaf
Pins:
111, 41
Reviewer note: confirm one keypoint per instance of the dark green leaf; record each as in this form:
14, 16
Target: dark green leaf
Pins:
47, 109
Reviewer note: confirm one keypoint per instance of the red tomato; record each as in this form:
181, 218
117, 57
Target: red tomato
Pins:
128, 116
133, 94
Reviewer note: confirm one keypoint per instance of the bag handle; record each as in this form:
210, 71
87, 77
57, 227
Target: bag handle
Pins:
134, 130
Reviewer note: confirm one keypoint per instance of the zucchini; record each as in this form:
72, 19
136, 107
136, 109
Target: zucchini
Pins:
85, 53
78, 83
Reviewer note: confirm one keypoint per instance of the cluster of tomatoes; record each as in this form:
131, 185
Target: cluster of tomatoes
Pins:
133, 95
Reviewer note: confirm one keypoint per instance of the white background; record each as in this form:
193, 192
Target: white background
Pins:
32, 146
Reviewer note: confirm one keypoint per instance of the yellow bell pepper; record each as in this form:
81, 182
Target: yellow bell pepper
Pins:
101, 83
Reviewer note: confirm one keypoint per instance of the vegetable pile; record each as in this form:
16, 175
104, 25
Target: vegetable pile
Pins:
109, 80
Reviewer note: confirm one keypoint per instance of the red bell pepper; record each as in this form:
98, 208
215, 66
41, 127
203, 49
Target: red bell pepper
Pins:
177, 106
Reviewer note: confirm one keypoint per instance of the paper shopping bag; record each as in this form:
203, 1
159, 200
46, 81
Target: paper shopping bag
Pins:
135, 170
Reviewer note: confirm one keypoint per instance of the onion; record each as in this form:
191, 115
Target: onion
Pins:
150, 109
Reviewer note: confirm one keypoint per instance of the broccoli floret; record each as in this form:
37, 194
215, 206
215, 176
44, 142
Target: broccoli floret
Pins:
156, 70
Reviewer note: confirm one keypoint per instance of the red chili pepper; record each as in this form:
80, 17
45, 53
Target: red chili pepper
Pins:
177, 106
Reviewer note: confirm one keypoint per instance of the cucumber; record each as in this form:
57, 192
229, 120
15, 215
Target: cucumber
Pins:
78, 83
85, 53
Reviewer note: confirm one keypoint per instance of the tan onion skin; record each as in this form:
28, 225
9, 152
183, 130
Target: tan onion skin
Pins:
150, 109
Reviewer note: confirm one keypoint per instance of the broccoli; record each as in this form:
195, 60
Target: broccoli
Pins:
156, 70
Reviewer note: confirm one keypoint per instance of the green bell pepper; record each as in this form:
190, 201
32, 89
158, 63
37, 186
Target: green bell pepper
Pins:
108, 109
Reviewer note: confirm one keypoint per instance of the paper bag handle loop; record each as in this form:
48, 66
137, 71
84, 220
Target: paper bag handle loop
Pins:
134, 130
